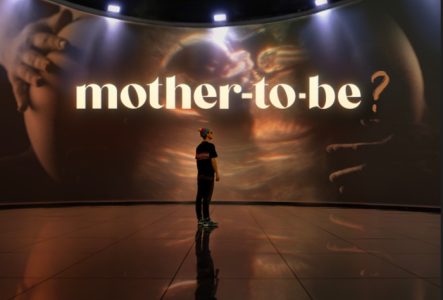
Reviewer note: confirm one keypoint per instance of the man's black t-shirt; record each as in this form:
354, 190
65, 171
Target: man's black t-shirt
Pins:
203, 154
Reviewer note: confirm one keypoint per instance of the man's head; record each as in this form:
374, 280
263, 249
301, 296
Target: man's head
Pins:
205, 133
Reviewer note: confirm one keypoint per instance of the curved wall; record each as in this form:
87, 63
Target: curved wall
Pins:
336, 106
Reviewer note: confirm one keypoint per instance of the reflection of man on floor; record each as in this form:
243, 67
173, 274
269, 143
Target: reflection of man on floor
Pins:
207, 278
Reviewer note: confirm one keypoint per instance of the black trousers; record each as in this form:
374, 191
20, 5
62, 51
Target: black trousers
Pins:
205, 187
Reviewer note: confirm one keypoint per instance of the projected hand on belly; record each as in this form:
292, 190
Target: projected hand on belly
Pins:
88, 150
48, 102
25, 58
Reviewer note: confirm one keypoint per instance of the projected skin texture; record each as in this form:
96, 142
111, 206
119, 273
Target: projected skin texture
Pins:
24, 55
277, 155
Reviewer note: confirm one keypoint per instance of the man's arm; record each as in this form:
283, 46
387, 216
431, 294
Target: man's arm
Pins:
215, 167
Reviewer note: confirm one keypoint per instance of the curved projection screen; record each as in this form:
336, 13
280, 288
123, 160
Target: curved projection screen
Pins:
337, 106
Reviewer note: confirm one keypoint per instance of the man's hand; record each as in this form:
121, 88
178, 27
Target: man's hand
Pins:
25, 58
217, 177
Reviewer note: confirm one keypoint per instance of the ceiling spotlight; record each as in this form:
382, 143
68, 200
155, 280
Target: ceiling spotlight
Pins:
220, 17
321, 2
114, 8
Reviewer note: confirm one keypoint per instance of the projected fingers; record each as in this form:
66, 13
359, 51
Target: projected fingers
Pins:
347, 176
35, 60
279, 58
334, 176
45, 31
29, 75
20, 81
25, 58
21, 92
47, 42
357, 146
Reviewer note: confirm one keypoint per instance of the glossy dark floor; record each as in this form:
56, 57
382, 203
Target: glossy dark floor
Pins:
258, 252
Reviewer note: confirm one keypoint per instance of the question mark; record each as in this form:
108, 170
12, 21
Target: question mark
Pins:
379, 89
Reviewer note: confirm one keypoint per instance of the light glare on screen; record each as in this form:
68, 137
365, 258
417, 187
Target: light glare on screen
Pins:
219, 35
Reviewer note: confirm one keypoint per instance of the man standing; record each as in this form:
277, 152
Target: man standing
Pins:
205, 155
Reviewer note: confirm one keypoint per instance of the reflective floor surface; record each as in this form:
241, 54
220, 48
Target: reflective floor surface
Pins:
258, 252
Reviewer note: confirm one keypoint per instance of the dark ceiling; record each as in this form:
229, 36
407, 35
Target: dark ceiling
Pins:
202, 11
